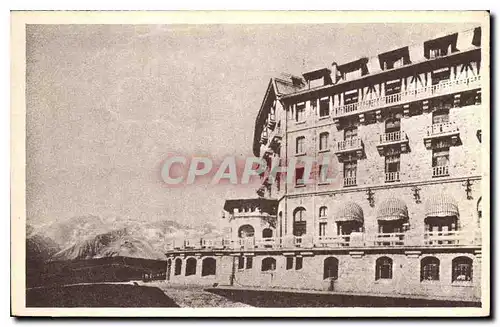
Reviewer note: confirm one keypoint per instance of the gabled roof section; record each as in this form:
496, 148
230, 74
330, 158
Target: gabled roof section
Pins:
277, 86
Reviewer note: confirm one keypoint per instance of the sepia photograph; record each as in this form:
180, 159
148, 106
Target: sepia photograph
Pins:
331, 161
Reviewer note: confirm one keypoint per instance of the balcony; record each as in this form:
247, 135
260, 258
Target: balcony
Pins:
348, 148
440, 171
392, 177
446, 132
398, 138
444, 88
360, 240
350, 181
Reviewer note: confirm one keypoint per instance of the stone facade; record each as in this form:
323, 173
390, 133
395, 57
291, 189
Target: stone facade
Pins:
404, 162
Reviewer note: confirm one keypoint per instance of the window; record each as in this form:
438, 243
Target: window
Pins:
323, 212
393, 87
323, 173
268, 264
246, 231
331, 268
383, 268
429, 269
249, 263
440, 75
392, 166
351, 97
462, 269
350, 168
190, 266
314, 105
208, 267
324, 107
299, 261
300, 145
299, 222
300, 112
241, 262
299, 176
289, 263
350, 133
323, 141
440, 162
392, 125
178, 266
322, 229
440, 116
267, 233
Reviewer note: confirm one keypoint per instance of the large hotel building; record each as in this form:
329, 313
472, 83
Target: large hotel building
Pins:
398, 211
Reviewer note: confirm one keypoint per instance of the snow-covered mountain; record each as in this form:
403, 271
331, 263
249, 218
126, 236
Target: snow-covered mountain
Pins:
87, 237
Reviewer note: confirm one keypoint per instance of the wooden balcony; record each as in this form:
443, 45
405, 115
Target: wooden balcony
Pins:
440, 171
392, 177
349, 148
393, 139
444, 88
350, 181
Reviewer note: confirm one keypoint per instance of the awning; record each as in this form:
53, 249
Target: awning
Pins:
348, 212
441, 205
392, 209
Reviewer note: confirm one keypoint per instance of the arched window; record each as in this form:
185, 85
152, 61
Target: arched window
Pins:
208, 267
178, 266
323, 211
461, 269
190, 266
300, 145
267, 233
323, 141
299, 221
246, 231
268, 264
383, 268
331, 268
429, 268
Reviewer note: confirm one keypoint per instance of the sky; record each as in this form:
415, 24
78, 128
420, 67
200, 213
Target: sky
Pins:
106, 104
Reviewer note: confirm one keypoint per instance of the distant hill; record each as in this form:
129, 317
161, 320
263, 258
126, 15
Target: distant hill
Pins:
39, 248
89, 237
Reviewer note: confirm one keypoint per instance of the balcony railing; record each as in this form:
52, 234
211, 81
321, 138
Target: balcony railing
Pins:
389, 239
350, 181
421, 93
379, 240
393, 137
451, 238
442, 128
348, 145
440, 171
392, 176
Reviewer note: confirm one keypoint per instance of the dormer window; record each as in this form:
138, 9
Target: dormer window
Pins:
442, 46
394, 59
317, 78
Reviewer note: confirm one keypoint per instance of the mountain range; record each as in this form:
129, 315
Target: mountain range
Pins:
89, 237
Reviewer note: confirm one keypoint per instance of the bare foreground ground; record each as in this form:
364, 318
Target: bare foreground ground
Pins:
161, 294
195, 296
128, 294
